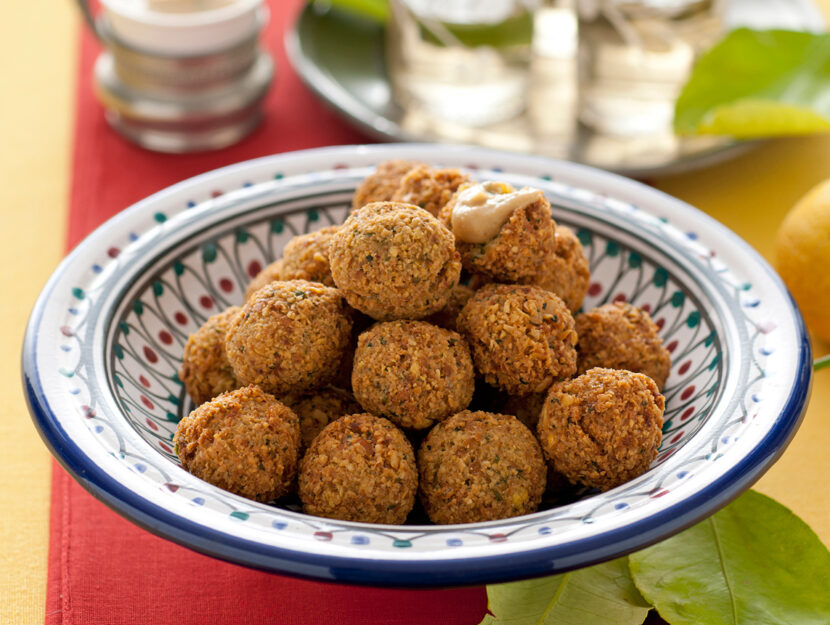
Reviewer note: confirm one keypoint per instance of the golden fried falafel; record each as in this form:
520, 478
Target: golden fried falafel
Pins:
306, 257
381, 185
244, 441
412, 372
290, 337
566, 273
505, 234
602, 428
205, 370
526, 408
447, 317
394, 261
361, 323
320, 408
480, 466
621, 336
429, 188
359, 468
271, 273
522, 337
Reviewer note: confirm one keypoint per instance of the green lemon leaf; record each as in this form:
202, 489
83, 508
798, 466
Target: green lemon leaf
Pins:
375, 10
603, 594
516, 30
752, 563
758, 84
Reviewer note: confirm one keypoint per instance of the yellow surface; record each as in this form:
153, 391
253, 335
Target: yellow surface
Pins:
37, 67
750, 195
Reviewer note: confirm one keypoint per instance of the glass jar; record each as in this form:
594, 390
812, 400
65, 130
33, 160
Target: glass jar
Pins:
462, 62
635, 57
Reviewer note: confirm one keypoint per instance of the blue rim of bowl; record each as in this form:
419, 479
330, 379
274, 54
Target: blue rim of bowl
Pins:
419, 573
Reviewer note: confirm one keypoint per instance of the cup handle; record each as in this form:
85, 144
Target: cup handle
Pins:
88, 17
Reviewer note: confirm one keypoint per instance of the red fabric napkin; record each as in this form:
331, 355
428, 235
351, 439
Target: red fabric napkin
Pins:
102, 568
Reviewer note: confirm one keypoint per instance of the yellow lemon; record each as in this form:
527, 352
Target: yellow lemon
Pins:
803, 257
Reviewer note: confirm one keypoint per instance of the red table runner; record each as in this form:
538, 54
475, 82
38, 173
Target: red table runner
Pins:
102, 568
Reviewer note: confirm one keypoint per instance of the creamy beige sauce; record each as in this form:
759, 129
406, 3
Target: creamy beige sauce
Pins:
482, 209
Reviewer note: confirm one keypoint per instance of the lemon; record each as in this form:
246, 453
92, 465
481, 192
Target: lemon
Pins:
803, 257
750, 118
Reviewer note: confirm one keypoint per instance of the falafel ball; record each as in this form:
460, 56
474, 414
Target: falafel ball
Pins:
244, 441
381, 185
621, 336
359, 468
271, 273
566, 273
518, 246
360, 323
205, 369
306, 257
412, 372
320, 408
429, 188
447, 317
522, 337
394, 261
526, 408
290, 337
480, 466
602, 428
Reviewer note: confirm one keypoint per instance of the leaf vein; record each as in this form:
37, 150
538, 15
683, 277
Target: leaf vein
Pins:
722, 561
554, 599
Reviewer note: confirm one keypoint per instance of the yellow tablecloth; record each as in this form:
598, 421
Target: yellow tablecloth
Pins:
37, 82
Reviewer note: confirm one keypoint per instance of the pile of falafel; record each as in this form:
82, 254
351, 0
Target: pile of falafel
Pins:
441, 316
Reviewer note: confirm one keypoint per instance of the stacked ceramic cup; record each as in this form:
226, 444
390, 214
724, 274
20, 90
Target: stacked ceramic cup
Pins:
182, 75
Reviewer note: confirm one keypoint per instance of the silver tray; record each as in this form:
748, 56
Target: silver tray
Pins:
342, 59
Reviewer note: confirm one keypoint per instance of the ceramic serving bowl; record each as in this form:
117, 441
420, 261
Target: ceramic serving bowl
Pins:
106, 337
